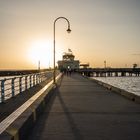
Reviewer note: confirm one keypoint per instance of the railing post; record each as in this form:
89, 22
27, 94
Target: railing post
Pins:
37, 79
20, 84
2, 90
34, 80
41, 78
46, 75
26, 82
13, 86
30, 81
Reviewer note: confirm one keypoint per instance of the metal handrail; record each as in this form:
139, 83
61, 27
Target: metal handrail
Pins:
9, 87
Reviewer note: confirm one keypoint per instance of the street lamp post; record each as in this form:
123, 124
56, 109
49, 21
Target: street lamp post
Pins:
68, 30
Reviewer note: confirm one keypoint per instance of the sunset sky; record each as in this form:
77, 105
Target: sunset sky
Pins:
101, 30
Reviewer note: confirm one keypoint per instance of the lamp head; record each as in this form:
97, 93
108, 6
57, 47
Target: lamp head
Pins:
68, 30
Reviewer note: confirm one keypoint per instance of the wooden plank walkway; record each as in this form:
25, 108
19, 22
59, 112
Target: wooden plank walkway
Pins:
83, 110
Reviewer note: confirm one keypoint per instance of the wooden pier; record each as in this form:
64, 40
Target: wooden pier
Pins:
77, 109
83, 110
103, 72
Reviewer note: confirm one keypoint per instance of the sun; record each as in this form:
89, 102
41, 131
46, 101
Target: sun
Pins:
40, 50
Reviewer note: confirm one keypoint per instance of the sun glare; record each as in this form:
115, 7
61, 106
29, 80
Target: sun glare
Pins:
40, 51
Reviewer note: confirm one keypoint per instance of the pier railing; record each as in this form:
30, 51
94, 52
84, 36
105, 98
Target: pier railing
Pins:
103, 72
12, 86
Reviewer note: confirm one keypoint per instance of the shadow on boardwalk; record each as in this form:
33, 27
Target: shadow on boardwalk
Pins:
83, 110
72, 124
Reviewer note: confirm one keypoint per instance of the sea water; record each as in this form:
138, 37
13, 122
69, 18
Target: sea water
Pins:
130, 84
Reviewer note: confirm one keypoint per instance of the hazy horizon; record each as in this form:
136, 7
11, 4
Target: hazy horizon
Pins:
102, 30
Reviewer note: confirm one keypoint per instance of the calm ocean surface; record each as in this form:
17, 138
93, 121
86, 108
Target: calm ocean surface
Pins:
130, 84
